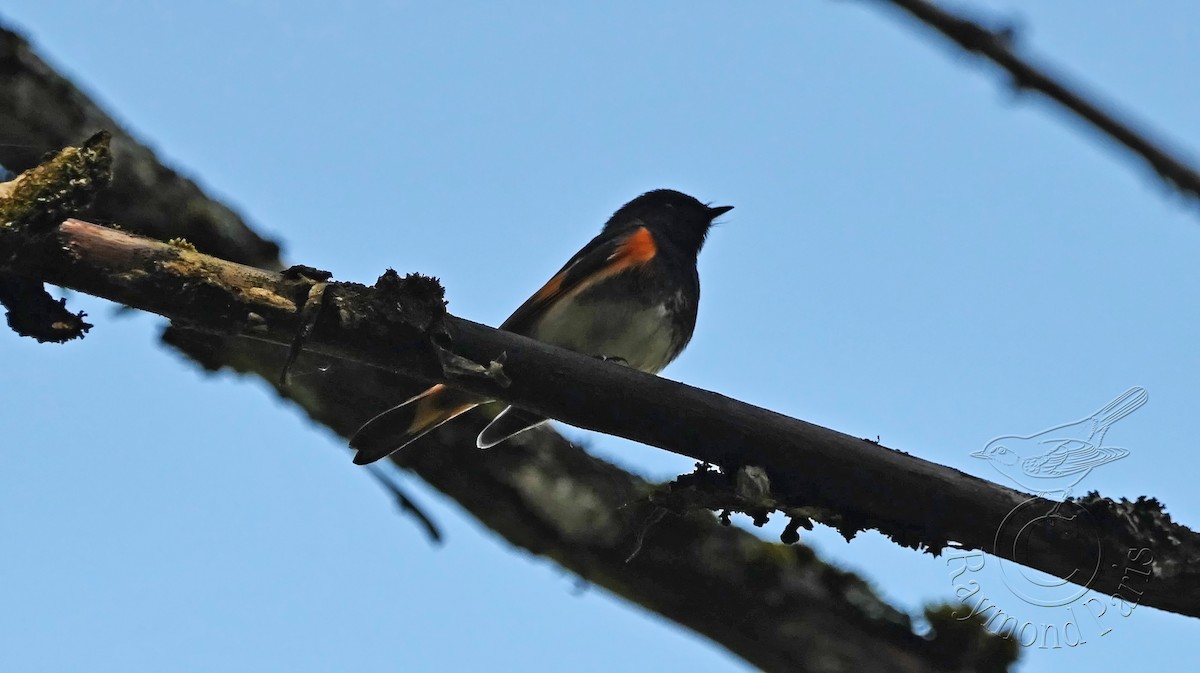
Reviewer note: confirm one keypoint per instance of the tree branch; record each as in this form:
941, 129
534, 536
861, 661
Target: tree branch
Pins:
778, 607
400, 324
997, 46
41, 111
712, 579
35, 201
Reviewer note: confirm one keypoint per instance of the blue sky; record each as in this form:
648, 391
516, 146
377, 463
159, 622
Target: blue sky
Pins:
916, 253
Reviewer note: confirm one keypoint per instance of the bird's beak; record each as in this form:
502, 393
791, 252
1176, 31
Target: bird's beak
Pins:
979, 454
717, 211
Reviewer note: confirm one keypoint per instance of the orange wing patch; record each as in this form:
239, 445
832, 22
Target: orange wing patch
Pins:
432, 409
637, 249
551, 288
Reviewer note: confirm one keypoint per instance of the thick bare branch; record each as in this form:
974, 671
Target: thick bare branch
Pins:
997, 46
400, 324
778, 607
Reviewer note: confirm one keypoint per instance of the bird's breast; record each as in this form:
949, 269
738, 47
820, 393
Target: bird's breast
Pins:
645, 316
644, 336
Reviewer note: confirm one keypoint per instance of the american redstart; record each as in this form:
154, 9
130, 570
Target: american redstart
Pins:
629, 295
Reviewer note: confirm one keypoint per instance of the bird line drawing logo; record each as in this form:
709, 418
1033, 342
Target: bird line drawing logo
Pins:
1054, 461
1060, 608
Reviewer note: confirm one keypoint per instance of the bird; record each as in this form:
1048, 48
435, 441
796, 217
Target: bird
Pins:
1055, 460
630, 295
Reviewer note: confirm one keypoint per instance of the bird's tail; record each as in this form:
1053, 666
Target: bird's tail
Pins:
1128, 402
511, 421
403, 424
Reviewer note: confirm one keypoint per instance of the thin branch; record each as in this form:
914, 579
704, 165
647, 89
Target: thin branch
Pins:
997, 46
406, 504
401, 324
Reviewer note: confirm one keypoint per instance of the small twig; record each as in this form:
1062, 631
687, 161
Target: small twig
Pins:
997, 46
406, 504
455, 366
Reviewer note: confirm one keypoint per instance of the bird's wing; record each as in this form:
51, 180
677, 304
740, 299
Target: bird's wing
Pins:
1080, 461
1072, 456
1050, 462
604, 256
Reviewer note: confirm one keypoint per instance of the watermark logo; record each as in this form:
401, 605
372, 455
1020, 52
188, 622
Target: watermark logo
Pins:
1055, 460
1032, 607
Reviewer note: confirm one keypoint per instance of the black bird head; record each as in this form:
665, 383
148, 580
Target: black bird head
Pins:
671, 215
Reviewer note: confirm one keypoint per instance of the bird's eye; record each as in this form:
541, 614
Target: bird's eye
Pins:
1001, 450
